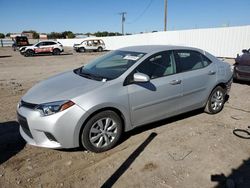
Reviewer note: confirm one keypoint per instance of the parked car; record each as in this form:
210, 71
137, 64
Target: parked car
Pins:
20, 41
53, 47
90, 45
242, 66
93, 105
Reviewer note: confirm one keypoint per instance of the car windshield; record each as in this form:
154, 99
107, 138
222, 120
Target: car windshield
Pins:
111, 65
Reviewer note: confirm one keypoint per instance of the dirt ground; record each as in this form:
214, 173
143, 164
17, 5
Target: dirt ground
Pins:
191, 150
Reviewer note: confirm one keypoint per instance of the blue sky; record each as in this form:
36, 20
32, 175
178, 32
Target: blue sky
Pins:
102, 15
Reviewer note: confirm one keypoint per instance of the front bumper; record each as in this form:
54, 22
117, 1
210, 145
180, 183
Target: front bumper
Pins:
60, 130
76, 49
242, 74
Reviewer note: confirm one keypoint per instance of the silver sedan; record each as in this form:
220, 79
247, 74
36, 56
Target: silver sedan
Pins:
93, 105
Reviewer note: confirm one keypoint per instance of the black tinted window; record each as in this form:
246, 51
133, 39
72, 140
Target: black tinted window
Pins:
190, 60
158, 65
48, 43
205, 60
41, 44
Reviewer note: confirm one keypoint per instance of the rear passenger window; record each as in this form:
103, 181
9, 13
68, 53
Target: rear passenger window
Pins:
206, 61
190, 60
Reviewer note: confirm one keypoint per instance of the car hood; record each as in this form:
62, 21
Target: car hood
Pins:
23, 47
64, 86
76, 45
29, 46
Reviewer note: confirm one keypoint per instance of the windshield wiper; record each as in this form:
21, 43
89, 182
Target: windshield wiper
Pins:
91, 76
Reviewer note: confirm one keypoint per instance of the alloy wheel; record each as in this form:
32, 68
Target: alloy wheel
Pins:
103, 132
217, 100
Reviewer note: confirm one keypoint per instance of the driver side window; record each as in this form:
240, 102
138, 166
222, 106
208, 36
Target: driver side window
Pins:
158, 65
40, 44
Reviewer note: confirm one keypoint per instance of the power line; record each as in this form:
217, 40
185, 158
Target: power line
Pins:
142, 13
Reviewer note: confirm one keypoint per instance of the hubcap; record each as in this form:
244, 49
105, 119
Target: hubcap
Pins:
103, 132
217, 100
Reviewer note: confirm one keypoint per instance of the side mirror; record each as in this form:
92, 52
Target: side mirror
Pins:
140, 77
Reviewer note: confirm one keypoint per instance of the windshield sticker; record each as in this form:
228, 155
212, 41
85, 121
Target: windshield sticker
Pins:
130, 57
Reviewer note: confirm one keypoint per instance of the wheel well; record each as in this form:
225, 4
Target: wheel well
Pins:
223, 85
118, 112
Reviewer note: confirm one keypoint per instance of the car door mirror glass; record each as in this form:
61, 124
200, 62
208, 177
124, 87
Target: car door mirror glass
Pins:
140, 77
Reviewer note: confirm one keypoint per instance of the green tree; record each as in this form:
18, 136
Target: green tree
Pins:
55, 35
98, 34
105, 34
35, 35
2, 36
68, 34
8, 35
88, 34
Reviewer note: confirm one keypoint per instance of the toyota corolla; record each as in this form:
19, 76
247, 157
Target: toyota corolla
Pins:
93, 105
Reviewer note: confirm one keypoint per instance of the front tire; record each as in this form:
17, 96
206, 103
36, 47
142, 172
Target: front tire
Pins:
216, 100
29, 53
81, 49
101, 132
100, 49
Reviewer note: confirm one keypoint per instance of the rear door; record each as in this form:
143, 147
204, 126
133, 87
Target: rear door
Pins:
198, 75
160, 97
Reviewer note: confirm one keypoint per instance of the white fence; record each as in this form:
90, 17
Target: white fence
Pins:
6, 42
222, 42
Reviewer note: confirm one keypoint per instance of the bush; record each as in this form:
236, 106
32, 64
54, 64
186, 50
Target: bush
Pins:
2, 36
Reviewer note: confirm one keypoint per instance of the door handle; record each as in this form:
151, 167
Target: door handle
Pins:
211, 72
175, 82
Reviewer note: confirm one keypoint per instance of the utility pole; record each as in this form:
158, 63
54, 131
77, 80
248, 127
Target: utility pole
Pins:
165, 15
123, 20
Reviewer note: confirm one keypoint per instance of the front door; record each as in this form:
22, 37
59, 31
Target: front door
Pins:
158, 98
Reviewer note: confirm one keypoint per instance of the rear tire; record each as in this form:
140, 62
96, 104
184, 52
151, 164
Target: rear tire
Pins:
216, 101
101, 132
56, 51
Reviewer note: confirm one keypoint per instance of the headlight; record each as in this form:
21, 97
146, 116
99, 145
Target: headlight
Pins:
18, 104
232, 68
53, 107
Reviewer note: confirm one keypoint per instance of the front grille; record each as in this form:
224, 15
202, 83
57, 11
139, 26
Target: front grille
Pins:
24, 124
27, 105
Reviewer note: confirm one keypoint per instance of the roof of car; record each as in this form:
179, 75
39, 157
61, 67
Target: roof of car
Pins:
48, 41
155, 48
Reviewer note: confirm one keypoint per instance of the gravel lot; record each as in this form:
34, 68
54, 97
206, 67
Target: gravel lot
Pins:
185, 151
